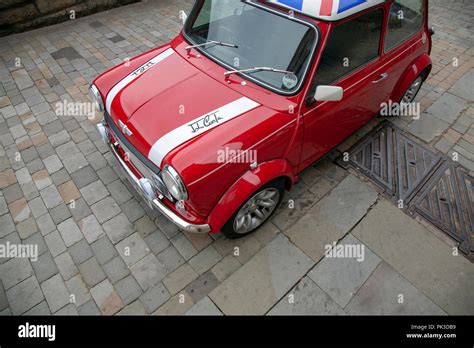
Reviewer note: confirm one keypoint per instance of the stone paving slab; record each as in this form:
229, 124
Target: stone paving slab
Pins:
387, 293
306, 298
351, 267
333, 217
419, 256
268, 275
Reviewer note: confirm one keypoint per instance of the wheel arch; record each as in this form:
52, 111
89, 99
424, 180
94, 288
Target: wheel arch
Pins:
422, 65
247, 184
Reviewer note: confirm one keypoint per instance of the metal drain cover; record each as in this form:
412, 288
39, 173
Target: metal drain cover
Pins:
414, 165
373, 156
447, 202
429, 184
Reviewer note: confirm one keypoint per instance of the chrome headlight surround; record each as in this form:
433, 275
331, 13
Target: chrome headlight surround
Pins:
96, 98
174, 183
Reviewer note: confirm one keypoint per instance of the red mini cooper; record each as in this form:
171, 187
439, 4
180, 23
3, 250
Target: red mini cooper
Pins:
212, 127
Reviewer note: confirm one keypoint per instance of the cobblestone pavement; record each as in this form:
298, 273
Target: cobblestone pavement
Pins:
101, 251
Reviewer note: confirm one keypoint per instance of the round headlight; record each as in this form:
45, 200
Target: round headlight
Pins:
96, 98
173, 183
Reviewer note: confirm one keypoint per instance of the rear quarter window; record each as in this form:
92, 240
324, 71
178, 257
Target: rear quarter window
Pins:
405, 19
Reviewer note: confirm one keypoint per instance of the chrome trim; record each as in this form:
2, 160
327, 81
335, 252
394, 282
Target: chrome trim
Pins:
97, 98
156, 202
177, 180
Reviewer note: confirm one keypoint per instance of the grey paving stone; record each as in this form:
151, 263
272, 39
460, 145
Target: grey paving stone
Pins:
104, 250
66, 265
38, 310
70, 232
94, 192
306, 298
225, 267
91, 229
105, 210
52, 164
44, 267
12, 193
78, 288
332, 217
116, 269
37, 241
45, 224
55, 292
51, 197
80, 209
92, 272
427, 127
154, 297
107, 175
55, 243
119, 191
15, 271
148, 271
75, 162
80, 252
157, 242
447, 108
204, 307
180, 278
106, 297
419, 256
171, 258
84, 177
118, 227
128, 289
27, 228
267, 277
132, 210
59, 138
202, 286
134, 308
351, 271
145, 226
184, 246
203, 261
89, 308
37, 207
60, 177
386, 292
3, 206
24, 296
132, 249
7, 224
464, 87
60, 214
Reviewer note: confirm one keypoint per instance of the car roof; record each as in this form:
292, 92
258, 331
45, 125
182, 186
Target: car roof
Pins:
328, 10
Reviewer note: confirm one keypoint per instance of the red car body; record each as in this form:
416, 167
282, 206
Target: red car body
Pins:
288, 133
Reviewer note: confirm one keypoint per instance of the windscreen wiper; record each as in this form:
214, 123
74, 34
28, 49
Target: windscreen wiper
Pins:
212, 42
259, 68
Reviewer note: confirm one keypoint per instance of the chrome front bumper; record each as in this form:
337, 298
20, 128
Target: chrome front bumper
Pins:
155, 202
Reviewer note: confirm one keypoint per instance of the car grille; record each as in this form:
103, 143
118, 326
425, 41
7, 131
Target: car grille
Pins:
142, 168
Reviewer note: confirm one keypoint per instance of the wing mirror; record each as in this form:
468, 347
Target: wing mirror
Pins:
183, 16
328, 93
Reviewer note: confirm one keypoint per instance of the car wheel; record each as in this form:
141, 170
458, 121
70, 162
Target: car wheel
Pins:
251, 215
412, 91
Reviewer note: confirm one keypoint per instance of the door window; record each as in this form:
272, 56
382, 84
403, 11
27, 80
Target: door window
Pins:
351, 45
405, 19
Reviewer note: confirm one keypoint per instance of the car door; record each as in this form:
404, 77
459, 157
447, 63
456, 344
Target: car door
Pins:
350, 59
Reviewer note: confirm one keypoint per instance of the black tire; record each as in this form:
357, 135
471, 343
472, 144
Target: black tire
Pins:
228, 229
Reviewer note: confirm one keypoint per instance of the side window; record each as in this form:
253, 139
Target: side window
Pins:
406, 18
351, 45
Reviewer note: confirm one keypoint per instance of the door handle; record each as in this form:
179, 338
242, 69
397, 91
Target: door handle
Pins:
382, 77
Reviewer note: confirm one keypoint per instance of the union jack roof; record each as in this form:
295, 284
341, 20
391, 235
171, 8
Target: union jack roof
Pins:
331, 10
